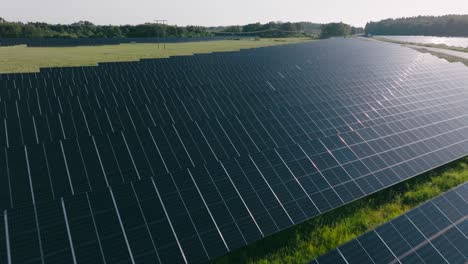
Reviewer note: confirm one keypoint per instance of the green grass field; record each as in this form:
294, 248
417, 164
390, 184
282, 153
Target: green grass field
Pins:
26, 59
306, 241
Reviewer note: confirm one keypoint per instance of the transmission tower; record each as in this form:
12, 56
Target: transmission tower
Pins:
163, 23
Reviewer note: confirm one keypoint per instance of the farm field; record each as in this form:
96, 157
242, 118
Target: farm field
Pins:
30, 59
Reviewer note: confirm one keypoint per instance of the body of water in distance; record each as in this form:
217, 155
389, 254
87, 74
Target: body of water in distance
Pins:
449, 41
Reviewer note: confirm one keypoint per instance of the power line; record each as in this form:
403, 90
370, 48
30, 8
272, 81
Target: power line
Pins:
163, 23
260, 31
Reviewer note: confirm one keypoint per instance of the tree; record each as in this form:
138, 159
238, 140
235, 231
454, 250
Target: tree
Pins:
449, 25
10, 30
335, 30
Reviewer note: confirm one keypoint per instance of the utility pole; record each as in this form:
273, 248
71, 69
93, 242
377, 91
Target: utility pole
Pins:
163, 23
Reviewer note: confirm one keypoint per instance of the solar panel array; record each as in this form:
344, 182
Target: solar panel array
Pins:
70, 42
187, 158
435, 232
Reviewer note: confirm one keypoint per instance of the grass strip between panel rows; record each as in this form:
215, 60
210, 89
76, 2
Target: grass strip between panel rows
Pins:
306, 241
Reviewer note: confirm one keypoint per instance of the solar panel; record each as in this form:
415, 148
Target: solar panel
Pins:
435, 232
71, 42
187, 158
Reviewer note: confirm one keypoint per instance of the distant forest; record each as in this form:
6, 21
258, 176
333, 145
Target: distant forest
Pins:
444, 26
86, 29
271, 29
338, 30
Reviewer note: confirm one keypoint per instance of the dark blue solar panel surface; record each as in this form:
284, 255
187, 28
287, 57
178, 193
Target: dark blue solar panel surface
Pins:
187, 158
435, 232
67, 42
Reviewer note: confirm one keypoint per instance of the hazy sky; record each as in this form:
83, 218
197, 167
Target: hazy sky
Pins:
222, 12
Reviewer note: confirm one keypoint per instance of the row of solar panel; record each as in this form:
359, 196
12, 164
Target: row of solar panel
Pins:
164, 94
315, 115
168, 115
70, 42
187, 79
336, 158
210, 210
318, 116
294, 123
311, 119
327, 125
42, 100
436, 232
199, 149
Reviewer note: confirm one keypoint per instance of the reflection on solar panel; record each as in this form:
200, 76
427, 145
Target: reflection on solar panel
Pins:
435, 232
187, 158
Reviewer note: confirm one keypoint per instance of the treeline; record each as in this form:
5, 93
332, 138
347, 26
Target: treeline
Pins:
272, 29
85, 29
338, 30
449, 25
277, 29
